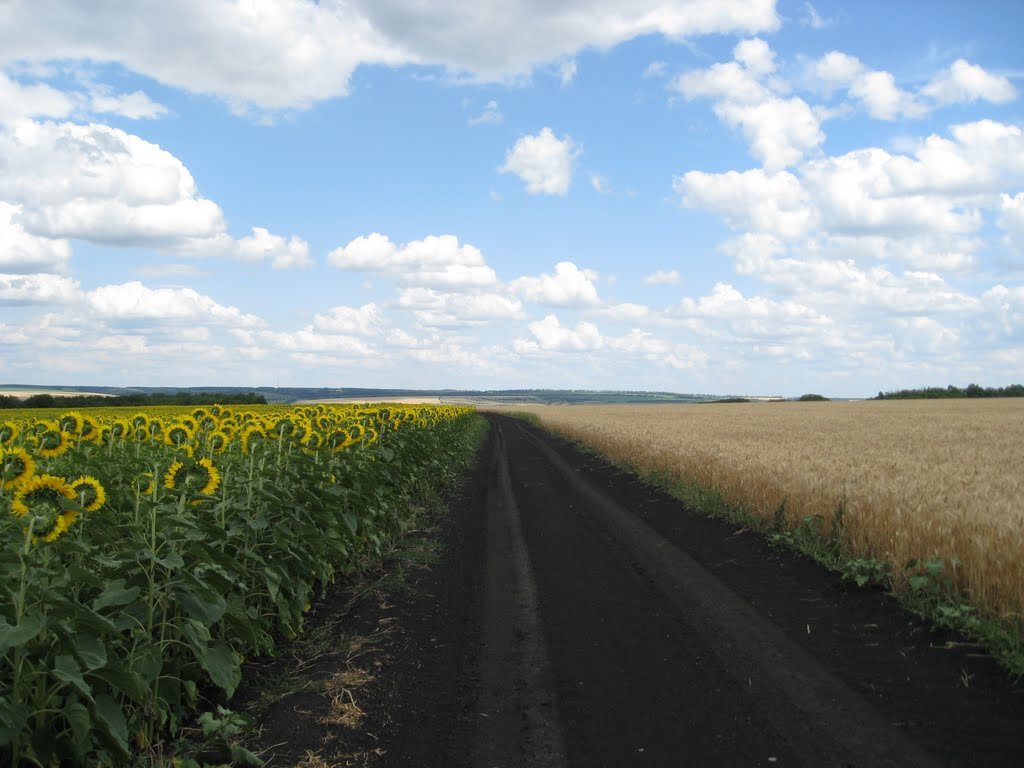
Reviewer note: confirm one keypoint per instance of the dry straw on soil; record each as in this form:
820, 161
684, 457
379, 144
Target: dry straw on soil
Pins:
916, 478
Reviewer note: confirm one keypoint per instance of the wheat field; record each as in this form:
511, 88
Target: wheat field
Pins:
915, 478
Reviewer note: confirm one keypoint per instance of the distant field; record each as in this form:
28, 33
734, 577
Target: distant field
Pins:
29, 391
916, 478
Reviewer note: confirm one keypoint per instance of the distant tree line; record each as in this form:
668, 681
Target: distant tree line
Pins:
936, 393
137, 400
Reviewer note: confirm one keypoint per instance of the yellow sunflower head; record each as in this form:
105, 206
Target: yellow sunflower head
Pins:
72, 422
48, 504
145, 484
89, 492
53, 441
199, 477
218, 441
120, 428
16, 466
90, 430
8, 431
178, 434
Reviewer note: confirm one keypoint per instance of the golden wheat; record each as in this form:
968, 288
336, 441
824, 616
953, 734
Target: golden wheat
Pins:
915, 478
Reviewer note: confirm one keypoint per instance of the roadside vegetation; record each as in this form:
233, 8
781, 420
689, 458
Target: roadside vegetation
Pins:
941, 393
923, 498
137, 400
145, 554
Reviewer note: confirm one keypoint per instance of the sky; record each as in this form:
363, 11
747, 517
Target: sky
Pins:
721, 196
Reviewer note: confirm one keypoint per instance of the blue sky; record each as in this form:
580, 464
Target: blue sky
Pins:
736, 196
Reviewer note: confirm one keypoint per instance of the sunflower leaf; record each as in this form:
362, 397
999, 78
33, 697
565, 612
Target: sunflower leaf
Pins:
19, 634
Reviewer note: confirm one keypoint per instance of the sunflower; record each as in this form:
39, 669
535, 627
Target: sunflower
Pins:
178, 434
251, 436
53, 440
89, 492
145, 484
120, 428
140, 420
44, 500
8, 431
313, 441
90, 430
72, 422
198, 476
218, 440
16, 466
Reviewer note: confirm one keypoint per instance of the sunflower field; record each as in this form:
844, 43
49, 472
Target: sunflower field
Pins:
145, 554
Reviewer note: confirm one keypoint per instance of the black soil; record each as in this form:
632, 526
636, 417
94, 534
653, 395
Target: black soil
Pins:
576, 616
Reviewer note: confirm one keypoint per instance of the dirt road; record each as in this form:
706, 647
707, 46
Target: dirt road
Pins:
580, 618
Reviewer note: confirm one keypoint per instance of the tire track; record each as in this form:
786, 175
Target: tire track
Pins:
518, 722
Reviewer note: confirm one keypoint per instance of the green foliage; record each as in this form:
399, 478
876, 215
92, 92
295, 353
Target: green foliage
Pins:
941, 393
121, 632
812, 398
45, 400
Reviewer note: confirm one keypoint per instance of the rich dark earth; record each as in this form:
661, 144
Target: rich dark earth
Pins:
577, 617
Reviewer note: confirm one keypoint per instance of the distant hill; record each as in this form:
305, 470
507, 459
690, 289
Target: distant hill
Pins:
480, 397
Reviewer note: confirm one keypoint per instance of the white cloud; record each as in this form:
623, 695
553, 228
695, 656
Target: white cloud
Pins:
366, 320
569, 286
437, 309
883, 99
964, 82
550, 335
98, 183
261, 245
438, 261
491, 115
292, 53
21, 252
135, 106
18, 100
133, 300
543, 161
38, 289
662, 277
754, 200
780, 131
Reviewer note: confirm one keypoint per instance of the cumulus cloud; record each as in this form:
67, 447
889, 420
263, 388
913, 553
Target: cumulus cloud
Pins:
38, 289
883, 99
22, 252
133, 300
780, 131
261, 245
964, 82
292, 53
550, 335
569, 286
755, 200
543, 161
439, 261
